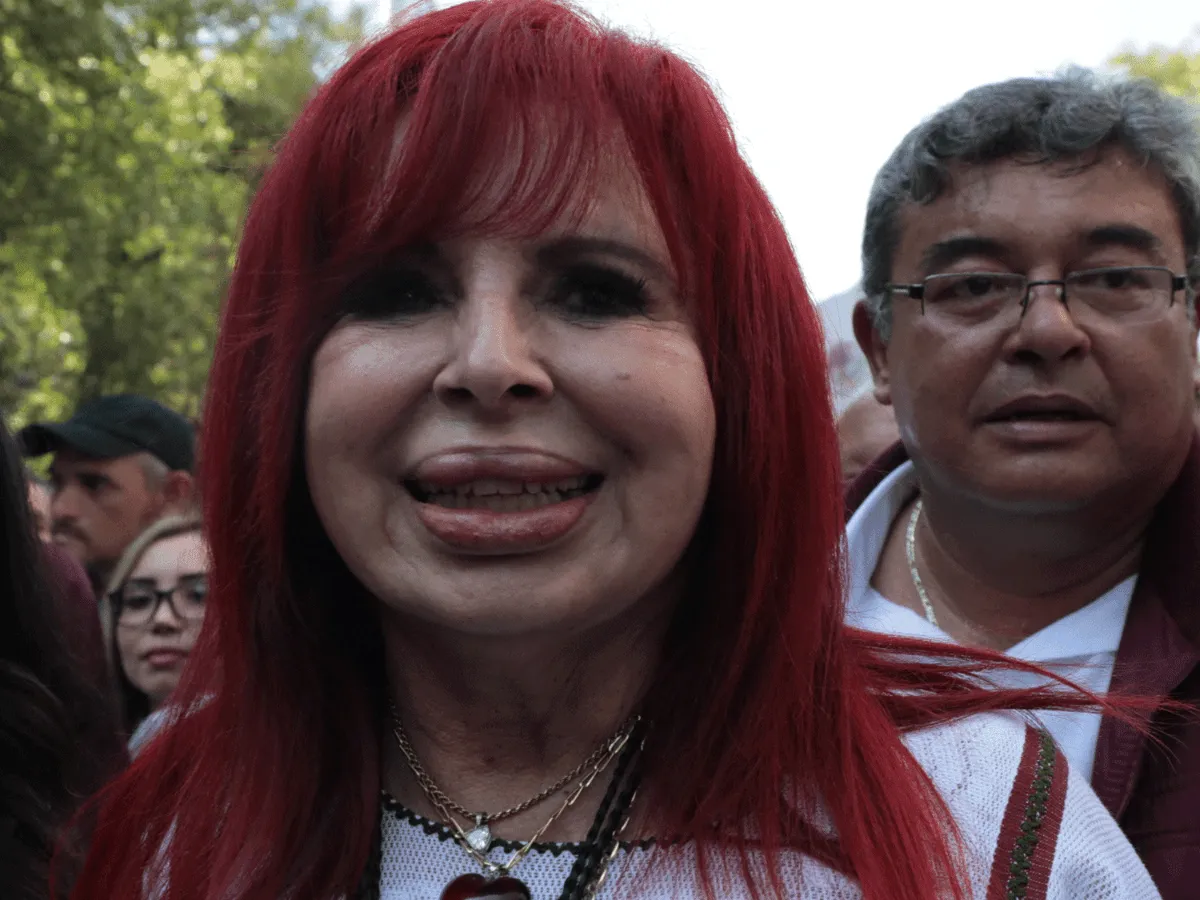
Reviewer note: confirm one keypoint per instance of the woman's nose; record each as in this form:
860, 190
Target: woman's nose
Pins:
496, 360
165, 618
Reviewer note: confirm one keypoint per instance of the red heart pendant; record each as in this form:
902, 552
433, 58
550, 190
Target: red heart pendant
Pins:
477, 887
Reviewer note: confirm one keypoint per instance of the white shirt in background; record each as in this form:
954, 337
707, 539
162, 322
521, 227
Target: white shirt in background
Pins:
1081, 646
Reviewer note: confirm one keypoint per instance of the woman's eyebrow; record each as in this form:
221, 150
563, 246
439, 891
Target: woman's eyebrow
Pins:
567, 249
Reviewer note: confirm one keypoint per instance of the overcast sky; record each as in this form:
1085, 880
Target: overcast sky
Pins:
820, 93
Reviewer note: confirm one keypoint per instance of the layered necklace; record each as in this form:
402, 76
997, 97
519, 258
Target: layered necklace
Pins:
475, 836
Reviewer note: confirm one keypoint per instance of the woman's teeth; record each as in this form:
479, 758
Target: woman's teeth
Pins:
502, 496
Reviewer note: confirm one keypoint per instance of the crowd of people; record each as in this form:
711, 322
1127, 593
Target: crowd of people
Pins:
539, 565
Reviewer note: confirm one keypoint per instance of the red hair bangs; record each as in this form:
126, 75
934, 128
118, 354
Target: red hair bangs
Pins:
485, 119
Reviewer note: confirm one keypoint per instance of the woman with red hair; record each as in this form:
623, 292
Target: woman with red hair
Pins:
525, 516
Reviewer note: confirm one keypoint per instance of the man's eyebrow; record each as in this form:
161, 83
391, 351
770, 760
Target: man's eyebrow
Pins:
566, 249
1123, 235
941, 254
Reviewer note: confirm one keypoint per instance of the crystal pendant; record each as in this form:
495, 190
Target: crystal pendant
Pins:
478, 887
479, 838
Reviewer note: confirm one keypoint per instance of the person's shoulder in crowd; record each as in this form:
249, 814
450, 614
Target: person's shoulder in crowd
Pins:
1002, 778
79, 620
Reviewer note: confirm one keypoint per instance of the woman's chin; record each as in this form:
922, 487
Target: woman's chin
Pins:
504, 609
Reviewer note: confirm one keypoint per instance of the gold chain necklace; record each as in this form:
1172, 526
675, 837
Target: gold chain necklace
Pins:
478, 841
910, 550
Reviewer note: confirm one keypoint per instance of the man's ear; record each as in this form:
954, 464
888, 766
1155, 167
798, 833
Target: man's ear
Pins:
178, 491
875, 349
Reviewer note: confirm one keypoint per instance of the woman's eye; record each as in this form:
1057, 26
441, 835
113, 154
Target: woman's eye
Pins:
595, 292
393, 294
137, 601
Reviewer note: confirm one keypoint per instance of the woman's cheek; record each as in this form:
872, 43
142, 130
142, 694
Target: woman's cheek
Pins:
127, 649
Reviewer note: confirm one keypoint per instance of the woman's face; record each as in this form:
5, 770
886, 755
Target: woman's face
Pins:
155, 637
515, 436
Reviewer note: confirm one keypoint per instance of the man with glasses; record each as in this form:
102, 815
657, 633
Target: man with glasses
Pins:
1030, 269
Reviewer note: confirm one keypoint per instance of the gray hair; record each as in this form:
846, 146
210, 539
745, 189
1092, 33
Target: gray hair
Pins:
1065, 118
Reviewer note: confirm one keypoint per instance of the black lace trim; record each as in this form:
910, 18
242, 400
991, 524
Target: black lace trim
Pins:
442, 833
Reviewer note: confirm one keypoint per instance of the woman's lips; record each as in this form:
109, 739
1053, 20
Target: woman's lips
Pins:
466, 465
501, 501
165, 659
478, 530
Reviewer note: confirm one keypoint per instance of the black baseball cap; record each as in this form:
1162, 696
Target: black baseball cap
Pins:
117, 425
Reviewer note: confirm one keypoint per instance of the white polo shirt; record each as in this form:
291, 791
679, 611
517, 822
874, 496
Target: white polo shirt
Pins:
1081, 646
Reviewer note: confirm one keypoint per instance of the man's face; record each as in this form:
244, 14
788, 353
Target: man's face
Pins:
99, 506
949, 383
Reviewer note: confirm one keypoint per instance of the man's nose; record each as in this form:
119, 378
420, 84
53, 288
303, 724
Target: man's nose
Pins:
1047, 329
64, 504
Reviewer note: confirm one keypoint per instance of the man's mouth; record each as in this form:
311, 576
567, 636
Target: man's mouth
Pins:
1043, 415
1044, 408
503, 495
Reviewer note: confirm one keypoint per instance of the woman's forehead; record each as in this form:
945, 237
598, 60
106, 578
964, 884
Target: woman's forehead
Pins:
615, 217
176, 551
516, 184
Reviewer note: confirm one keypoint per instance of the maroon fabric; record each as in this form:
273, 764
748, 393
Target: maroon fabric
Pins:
1151, 786
79, 617
79, 610
1014, 815
1019, 816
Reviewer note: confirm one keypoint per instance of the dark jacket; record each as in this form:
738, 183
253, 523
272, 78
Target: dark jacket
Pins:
1152, 790
60, 739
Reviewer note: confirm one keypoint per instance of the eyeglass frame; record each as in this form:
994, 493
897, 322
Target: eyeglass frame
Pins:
916, 291
161, 596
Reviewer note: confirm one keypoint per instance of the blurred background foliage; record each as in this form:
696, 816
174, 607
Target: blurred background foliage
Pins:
131, 137
1176, 69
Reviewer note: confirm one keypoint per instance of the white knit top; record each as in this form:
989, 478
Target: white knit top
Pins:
974, 764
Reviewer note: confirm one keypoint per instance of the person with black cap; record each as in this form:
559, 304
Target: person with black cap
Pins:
120, 463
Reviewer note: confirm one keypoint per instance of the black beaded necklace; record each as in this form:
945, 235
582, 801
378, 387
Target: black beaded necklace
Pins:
596, 851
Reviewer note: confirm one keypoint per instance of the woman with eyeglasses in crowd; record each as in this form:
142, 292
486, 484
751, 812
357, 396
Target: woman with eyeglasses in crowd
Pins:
152, 612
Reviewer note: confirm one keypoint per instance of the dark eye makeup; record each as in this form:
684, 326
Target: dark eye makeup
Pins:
396, 292
594, 291
581, 289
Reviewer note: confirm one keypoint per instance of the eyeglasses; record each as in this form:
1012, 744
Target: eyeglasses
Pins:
137, 602
1119, 293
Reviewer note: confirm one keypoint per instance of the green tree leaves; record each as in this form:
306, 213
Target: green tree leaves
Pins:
131, 135
1178, 71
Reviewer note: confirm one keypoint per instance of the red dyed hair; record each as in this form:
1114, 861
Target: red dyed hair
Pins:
269, 787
